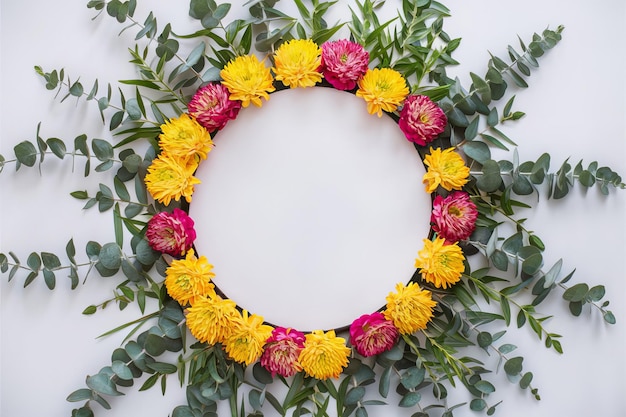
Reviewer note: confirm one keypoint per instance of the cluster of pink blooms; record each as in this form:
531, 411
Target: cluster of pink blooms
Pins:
171, 233
343, 64
370, 334
454, 217
212, 106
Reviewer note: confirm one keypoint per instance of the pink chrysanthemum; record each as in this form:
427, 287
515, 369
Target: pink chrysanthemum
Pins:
343, 63
372, 334
421, 120
171, 233
212, 107
454, 217
280, 355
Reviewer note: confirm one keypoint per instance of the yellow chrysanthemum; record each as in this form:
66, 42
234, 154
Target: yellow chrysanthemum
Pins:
382, 89
171, 178
248, 80
184, 137
210, 319
410, 308
247, 338
440, 264
446, 168
188, 279
296, 63
324, 355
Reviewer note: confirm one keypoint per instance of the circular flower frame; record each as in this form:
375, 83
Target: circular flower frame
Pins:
183, 145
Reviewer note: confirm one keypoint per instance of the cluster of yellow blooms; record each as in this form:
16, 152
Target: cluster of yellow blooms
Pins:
184, 143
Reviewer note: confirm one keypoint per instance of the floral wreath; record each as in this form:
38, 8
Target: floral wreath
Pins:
413, 340
186, 141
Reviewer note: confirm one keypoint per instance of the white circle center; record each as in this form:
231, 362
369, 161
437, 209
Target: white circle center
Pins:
310, 209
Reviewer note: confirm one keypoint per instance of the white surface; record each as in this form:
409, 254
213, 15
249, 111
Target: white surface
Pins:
322, 205
575, 108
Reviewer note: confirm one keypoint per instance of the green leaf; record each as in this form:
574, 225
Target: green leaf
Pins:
526, 380
478, 151
145, 254
490, 180
102, 149
484, 339
111, 256
162, 367
49, 278
155, 345
609, 317
34, 261
410, 399
121, 370
261, 374
57, 146
90, 310
485, 387
412, 377
354, 395
576, 293
102, 384
80, 395
478, 404
482, 88
513, 366
26, 153
596, 293
133, 109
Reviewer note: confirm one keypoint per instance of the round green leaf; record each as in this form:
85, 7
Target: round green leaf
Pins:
145, 254
111, 256
26, 153
513, 366
478, 151
155, 345
576, 293
484, 339
102, 384
410, 399
485, 387
121, 370
526, 380
80, 395
490, 180
478, 404
354, 395
182, 411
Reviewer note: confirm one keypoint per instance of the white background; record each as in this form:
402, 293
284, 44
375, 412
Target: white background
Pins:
575, 108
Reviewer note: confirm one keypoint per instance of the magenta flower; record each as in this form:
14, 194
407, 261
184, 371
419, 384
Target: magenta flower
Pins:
421, 120
281, 351
372, 334
171, 233
343, 63
454, 217
212, 107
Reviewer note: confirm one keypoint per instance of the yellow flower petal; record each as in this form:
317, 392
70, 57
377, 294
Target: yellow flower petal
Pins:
248, 80
324, 355
210, 319
440, 264
446, 169
189, 279
184, 137
247, 337
296, 63
410, 308
171, 177
382, 89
